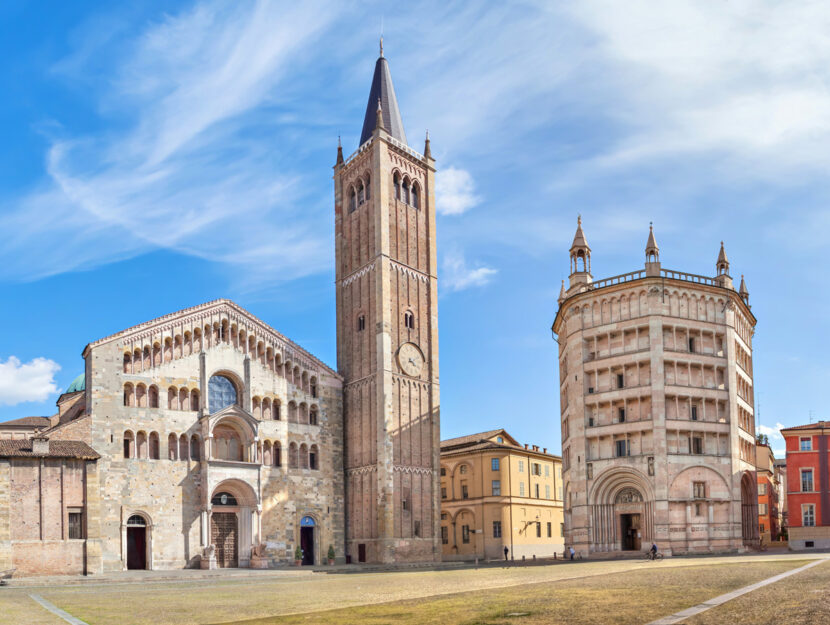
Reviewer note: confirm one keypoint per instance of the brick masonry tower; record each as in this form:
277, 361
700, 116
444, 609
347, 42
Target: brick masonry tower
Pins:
387, 337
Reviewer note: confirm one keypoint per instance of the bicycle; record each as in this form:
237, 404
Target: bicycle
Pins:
657, 556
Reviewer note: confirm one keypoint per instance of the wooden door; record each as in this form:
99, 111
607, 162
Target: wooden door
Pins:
224, 535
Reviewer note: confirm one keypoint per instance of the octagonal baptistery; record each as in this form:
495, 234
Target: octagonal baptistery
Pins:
656, 399
220, 443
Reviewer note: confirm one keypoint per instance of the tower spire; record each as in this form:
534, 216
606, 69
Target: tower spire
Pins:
652, 253
383, 90
580, 257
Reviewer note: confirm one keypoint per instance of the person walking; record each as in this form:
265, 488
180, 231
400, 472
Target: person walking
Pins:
506, 551
573, 553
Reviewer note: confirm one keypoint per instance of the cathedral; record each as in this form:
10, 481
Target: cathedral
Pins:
207, 439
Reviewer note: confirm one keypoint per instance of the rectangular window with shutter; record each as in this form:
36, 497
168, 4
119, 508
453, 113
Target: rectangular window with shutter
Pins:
75, 525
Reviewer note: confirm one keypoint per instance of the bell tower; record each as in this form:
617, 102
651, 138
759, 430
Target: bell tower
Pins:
387, 336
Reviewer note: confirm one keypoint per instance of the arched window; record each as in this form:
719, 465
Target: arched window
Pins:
277, 454
188, 344
177, 346
409, 320
303, 412
303, 456
397, 182
305, 381
172, 447
146, 364
168, 349
312, 415
155, 452
128, 394
293, 457
415, 194
361, 193
194, 399
361, 323
141, 396
266, 454
183, 396
276, 410
141, 445
313, 458
129, 445
406, 191
221, 393
195, 448
136, 360
197, 340
368, 186
183, 448
127, 362
172, 398
314, 386
266, 409
154, 396
227, 445
256, 407
352, 200
156, 354
292, 412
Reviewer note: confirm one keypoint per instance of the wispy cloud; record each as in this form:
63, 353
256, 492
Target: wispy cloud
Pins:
181, 171
32, 381
457, 275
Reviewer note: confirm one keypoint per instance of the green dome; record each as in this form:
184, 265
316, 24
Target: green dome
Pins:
78, 384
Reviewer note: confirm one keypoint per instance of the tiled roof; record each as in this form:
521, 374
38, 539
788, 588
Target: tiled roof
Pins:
470, 438
28, 421
809, 426
57, 449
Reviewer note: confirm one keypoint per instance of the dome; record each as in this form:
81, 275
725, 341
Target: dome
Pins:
78, 384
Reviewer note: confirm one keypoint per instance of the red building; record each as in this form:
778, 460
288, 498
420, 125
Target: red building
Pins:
808, 485
767, 478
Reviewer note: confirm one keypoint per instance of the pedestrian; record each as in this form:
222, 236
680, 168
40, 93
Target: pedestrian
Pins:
653, 551
506, 551
573, 553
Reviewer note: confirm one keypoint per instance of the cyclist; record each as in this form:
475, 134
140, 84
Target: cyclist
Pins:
653, 551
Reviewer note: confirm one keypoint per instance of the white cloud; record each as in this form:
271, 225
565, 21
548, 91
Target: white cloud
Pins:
774, 433
456, 275
31, 381
455, 191
743, 81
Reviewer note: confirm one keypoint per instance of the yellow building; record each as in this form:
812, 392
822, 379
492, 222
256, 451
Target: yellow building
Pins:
496, 493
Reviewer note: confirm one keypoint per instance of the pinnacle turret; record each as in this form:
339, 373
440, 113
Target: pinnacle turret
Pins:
580, 257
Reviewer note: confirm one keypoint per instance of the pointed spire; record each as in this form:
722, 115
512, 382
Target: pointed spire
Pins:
381, 46
383, 90
562, 295
651, 244
722, 265
579, 237
743, 291
427, 151
339, 152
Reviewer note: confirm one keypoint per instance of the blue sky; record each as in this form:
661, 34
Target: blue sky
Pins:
159, 156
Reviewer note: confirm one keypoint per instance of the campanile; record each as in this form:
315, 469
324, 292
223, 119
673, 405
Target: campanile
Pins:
387, 336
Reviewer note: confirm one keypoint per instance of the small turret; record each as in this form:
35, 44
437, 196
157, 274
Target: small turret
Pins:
562, 295
743, 291
580, 257
652, 253
427, 151
339, 153
722, 267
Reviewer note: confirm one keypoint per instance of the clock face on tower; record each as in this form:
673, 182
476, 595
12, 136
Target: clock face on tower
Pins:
410, 359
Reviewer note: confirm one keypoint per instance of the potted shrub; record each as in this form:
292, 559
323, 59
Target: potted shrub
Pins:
298, 556
331, 555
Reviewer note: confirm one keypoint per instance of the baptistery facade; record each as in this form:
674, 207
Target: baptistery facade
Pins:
656, 398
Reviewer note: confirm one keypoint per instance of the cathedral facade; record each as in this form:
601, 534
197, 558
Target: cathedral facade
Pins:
656, 397
205, 438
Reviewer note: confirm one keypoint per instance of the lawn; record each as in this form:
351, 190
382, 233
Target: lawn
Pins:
802, 598
613, 599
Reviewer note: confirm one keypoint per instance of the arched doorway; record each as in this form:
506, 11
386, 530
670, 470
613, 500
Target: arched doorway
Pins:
621, 511
233, 523
307, 529
136, 542
749, 510
224, 529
